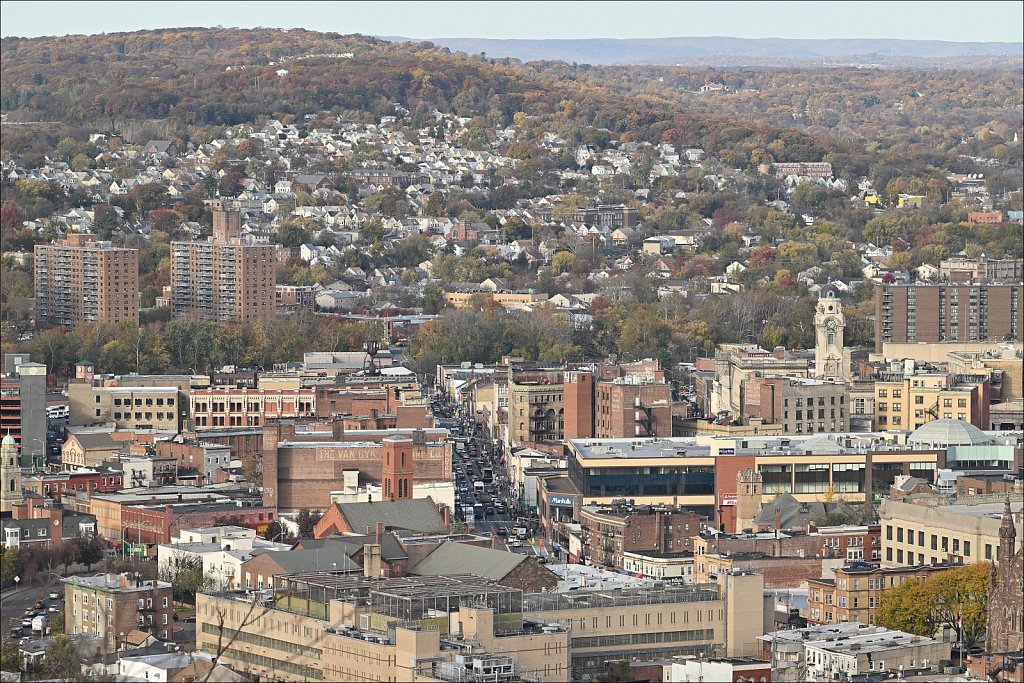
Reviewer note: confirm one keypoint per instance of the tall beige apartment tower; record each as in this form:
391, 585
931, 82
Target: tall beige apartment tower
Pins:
222, 279
83, 280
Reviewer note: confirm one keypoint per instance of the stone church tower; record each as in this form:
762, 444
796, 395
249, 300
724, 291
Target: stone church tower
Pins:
831, 358
10, 473
1005, 628
749, 489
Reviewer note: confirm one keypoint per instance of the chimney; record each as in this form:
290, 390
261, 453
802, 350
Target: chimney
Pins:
778, 521
369, 530
779, 352
380, 531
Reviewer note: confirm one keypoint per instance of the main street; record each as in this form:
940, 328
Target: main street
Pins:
483, 490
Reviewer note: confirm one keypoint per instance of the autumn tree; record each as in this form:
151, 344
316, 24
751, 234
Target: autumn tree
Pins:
954, 598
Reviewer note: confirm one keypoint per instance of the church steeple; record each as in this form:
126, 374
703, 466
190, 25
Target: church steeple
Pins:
1007, 538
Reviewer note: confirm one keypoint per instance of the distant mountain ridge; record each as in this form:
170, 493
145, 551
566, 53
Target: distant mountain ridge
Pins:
719, 49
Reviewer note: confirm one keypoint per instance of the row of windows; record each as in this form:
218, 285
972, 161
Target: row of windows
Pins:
139, 416
138, 401
266, 641
937, 541
644, 638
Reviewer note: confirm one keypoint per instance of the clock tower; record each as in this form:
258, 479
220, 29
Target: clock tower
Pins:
831, 359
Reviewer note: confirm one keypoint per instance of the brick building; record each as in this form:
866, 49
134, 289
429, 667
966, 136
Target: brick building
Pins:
303, 464
80, 280
155, 524
108, 605
855, 590
778, 572
536, 406
222, 279
989, 217
620, 407
295, 297
610, 531
905, 399
800, 405
249, 407
932, 313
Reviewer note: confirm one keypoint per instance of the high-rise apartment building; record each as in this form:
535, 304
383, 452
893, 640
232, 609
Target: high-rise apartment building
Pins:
221, 279
933, 313
81, 280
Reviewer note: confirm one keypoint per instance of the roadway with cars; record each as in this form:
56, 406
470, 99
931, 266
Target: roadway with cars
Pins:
472, 454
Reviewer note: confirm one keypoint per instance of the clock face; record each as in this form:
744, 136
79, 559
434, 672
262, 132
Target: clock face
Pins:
830, 324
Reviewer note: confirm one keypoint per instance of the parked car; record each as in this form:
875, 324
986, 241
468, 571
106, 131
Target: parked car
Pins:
55, 596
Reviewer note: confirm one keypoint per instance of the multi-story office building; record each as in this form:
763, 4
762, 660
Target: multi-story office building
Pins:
159, 408
725, 617
906, 400
616, 408
108, 606
23, 406
920, 312
80, 280
735, 365
701, 473
800, 405
222, 279
536, 406
963, 532
854, 591
330, 627
249, 407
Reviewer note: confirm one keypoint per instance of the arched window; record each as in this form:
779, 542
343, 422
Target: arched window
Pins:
12, 486
831, 339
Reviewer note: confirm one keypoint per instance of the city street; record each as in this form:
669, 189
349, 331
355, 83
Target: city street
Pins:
483, 489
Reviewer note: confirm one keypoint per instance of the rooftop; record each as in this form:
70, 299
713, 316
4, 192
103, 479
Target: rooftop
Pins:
113, 582
620, 597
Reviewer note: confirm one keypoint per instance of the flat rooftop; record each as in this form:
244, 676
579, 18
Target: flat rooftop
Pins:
620, 597
691, 447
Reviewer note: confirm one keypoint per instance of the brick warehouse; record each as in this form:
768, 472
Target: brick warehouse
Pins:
302, 464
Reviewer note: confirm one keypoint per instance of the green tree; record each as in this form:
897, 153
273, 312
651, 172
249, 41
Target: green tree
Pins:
954, 598
372, 230
10, 656
185, 574
61, 661
148, 197
436, 206
294, 233
562, 262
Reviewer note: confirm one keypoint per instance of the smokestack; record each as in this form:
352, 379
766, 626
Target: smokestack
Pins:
380, 531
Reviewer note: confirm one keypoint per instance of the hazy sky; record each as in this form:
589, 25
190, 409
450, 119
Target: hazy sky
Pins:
953, 21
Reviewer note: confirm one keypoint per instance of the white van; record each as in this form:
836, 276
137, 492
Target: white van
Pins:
57, 412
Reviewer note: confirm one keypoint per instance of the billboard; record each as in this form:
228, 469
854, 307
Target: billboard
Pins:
728, 499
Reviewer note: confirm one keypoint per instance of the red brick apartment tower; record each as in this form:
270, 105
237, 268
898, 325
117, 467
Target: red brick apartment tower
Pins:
579, 405
396, 468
